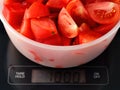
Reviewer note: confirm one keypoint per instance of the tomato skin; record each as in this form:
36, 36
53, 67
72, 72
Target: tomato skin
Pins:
104, 12
43, 28
66, 24
37, 10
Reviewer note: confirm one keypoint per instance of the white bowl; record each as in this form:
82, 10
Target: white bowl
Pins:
58, 56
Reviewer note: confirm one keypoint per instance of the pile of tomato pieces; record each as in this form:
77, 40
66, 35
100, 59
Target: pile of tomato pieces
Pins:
62, 22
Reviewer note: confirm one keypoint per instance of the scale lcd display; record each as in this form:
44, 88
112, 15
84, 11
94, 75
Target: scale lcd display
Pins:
46, 76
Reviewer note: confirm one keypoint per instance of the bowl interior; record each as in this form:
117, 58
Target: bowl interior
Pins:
107, 35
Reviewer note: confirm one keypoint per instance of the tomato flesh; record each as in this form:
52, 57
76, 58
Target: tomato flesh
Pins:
67, 26
43, 28
104, 12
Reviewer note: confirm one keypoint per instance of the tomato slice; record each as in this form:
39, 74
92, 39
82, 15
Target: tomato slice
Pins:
78, 12
37, 10
14, 13
43, 28
66, 24
86, 34
104, 12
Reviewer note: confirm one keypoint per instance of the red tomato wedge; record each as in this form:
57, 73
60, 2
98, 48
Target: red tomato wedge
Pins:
57, 4
104, 12
26, 29
43, 28
14, 13
78, 12
37, 10
67, 25
86, 34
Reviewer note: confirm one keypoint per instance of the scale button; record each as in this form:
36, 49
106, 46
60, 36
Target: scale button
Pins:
19, 75
96, 75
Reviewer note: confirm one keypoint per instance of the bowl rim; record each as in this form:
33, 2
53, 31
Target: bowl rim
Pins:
55, 47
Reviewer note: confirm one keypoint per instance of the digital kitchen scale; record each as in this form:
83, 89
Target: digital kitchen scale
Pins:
20, 73
17, 72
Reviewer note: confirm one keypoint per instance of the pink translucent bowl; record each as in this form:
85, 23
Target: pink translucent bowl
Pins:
58, 56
